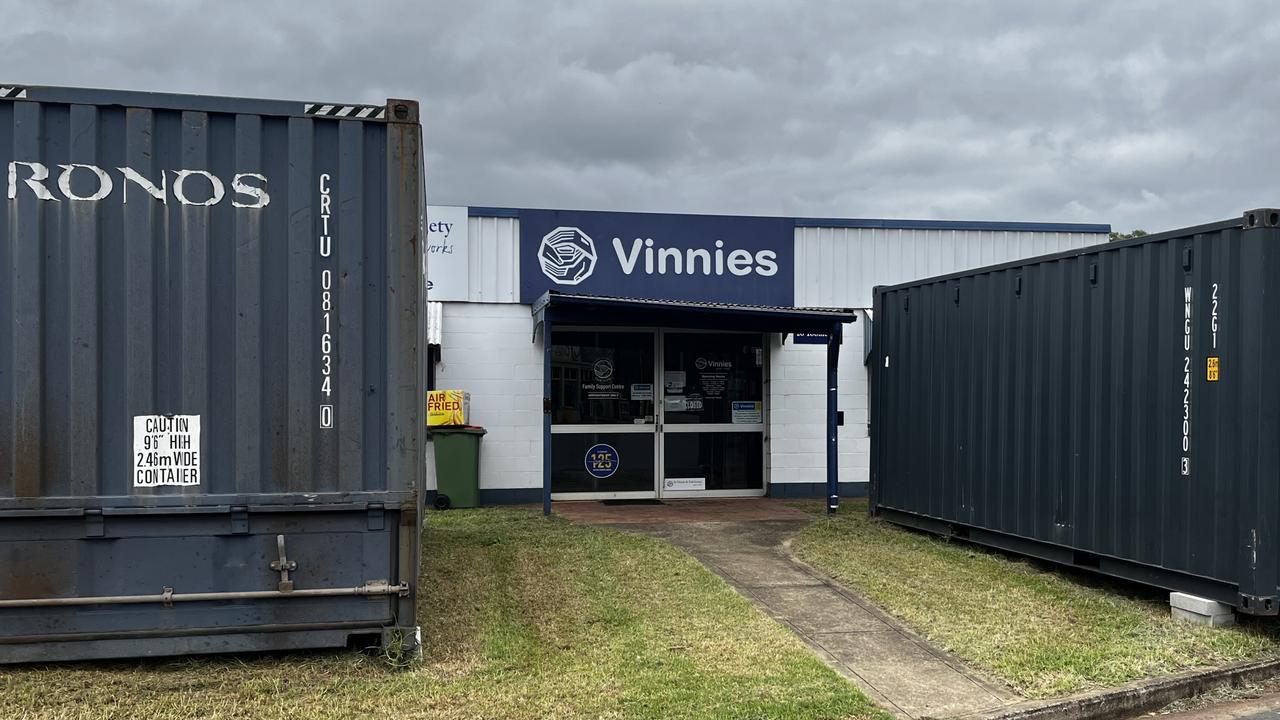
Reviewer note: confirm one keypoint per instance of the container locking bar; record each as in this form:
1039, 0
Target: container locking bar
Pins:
168, 597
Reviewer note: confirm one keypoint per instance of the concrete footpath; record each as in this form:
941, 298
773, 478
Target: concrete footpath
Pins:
744, 545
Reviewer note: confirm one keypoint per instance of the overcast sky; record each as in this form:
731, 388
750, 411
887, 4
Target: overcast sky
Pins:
1139, 114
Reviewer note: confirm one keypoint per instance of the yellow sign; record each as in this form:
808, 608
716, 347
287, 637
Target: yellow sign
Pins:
1211, 370
448, 407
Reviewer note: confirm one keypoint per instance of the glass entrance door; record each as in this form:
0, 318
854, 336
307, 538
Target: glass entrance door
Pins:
712, 414
643, 413
603, 417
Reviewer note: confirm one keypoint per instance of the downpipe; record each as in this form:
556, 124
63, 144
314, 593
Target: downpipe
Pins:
168, 597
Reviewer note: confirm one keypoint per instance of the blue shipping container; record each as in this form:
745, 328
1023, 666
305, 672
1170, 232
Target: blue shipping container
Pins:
210, 420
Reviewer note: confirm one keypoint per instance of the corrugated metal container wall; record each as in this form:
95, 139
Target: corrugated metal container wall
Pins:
1113, 408
840, 266
209, 330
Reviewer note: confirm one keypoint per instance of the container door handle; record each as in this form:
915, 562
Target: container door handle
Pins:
283, 566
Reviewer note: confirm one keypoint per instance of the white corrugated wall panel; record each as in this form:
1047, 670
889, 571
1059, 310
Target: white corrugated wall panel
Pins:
838, 267
493, 261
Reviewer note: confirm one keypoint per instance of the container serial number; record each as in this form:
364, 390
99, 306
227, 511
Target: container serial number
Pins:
326, 304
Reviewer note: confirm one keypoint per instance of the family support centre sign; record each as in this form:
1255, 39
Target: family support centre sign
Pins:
703, 258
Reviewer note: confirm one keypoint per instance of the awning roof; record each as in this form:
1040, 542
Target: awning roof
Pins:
632, 312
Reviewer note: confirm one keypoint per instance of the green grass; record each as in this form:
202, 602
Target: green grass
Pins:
523, 618
1046, 633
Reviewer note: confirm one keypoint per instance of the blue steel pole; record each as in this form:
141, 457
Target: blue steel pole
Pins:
833, 455
546, 412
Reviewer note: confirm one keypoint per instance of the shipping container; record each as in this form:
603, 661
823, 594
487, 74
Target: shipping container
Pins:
1114, 408
210, 389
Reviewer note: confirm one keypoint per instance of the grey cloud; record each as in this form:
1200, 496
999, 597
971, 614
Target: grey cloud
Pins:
1141, 114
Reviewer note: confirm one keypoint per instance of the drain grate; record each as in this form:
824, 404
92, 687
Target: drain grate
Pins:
631, 502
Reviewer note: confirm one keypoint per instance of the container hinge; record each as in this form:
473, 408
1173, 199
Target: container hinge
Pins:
239, 520
377, 516
166, 596
93, 526
283, 566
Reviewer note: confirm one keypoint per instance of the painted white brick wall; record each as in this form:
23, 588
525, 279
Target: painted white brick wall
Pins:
798, 411
488, 350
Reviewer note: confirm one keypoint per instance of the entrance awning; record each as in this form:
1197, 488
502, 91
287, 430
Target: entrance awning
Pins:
639, 312
554, 309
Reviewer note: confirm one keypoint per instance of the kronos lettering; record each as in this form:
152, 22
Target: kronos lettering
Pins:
189, 187
691, 261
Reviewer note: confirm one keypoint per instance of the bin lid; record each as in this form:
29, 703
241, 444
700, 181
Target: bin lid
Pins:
464, 429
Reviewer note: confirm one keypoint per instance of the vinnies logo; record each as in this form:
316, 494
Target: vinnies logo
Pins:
567, 256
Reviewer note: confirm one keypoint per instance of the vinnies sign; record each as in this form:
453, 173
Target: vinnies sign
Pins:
705, 258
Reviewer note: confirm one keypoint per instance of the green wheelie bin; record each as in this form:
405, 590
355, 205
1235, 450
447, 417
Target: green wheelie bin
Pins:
457, 466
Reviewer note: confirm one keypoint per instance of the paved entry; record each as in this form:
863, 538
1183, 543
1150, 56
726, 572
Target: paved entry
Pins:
900, 671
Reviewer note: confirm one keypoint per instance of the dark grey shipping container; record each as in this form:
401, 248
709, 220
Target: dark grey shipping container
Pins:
210, 393
1115, 408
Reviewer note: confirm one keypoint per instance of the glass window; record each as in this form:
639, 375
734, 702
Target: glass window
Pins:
713, 378
602, 462
601, 377
722, 460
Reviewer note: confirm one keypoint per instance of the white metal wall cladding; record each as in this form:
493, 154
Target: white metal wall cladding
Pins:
494, 261
838, 267
835, 267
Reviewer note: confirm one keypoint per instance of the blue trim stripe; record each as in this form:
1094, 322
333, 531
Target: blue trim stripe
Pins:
493, 212
952, 225
884, 224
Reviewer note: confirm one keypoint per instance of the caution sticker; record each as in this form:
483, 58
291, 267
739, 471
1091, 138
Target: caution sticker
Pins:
1211, 369
166, 450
